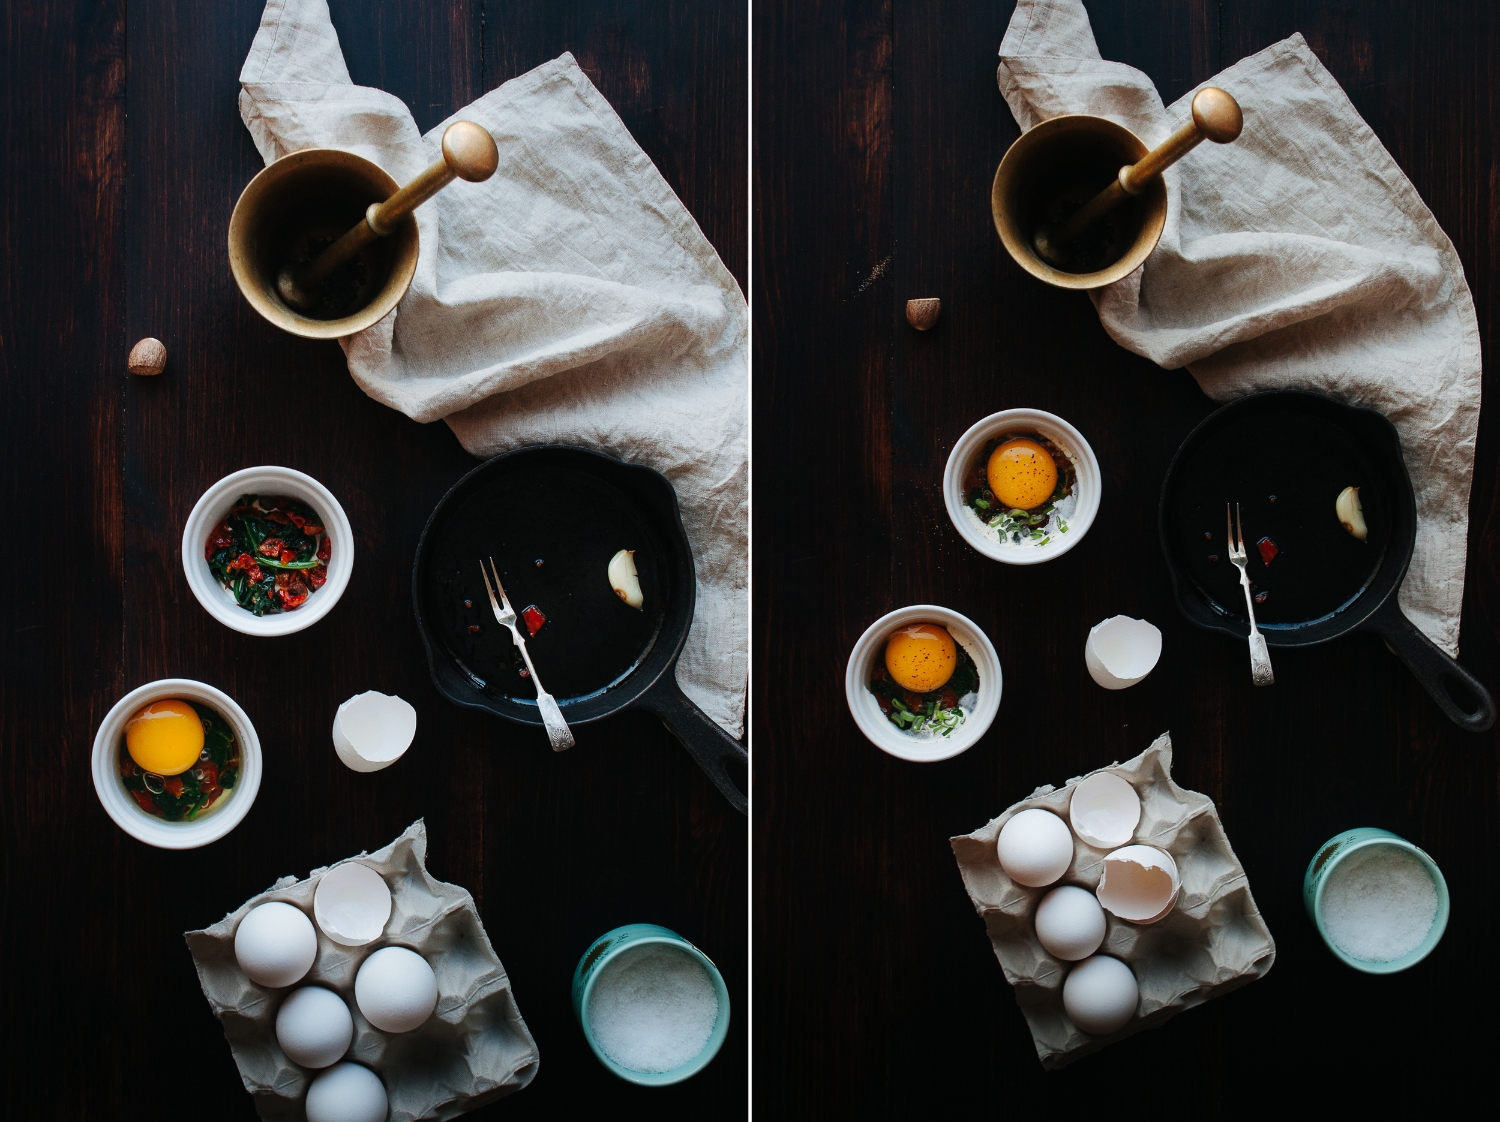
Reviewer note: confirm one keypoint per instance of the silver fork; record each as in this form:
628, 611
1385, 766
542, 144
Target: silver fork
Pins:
557, 728
1260, 658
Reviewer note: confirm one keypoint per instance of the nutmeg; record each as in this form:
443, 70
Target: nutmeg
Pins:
147, 357
923, 313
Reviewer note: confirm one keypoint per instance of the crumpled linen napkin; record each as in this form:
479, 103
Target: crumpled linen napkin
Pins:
569, 299
1298, 257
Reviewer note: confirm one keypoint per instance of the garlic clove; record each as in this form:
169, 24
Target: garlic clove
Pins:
624, 579
1351, 513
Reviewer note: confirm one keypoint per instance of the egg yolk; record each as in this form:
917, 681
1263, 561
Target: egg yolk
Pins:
921, 658
1022, 474
165, 738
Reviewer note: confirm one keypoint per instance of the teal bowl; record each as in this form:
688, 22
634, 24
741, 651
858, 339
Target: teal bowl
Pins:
1338, 849
608, 947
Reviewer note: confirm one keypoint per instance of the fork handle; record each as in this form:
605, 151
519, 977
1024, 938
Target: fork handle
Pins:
558, 732
1260, 661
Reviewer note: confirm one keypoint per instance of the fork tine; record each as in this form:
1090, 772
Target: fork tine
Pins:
487, 587
1239, 530
1228, 528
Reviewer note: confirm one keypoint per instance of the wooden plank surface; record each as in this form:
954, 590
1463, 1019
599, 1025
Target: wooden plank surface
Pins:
877, 132
112, 226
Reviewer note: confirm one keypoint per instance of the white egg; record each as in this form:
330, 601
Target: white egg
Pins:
1139, 883
314, 1027
352, 904
395, 989
1035, 847
1070, 923
347, 1092
1100, 995
275, 944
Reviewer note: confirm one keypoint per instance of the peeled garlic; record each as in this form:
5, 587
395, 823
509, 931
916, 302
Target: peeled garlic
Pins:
1350, 513
623, 578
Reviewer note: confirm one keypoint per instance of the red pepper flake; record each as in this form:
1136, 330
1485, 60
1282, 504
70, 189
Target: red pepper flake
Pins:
475, 629
534, 618
1268, 550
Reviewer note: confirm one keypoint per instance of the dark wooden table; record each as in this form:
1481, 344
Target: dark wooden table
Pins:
878, 127
121, 155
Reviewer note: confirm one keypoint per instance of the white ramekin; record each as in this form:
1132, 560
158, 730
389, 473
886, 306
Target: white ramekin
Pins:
210, 510
1055, 429
877, 726
120, 805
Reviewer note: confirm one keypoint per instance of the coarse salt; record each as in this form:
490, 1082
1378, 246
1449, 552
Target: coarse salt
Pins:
1379, 904
653, 1008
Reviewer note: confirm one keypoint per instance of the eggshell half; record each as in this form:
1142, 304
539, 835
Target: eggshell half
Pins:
1035, 847
347, 1092
373, 730
1070, 923
314, 1027
1139, 883
275, 944
352, 904
1100, 995
1104, 810
395, 989
1121, 651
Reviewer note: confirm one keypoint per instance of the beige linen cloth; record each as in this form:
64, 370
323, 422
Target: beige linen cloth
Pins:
570, 299
1298, 257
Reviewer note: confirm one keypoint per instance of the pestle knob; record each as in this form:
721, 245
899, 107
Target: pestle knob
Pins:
469, 153
1216, 117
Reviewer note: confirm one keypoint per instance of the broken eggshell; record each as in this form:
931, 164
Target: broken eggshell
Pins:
1139, 883
1105, 810
373, 730
624, 579
1121, 651
352, 904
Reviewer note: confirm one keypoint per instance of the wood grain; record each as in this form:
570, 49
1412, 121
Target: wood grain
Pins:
113, 227
876, 991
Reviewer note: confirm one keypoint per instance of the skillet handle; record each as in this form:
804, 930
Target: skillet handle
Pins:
1432, 667
711, 747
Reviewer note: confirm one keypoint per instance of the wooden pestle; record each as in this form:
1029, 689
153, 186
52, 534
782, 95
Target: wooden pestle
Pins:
469, 153
1216, 117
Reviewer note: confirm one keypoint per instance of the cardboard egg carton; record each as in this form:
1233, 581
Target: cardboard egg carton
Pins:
1213, 941
473, 1049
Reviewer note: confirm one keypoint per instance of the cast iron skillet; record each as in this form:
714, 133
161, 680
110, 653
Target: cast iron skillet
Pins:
569, 509
1304, 449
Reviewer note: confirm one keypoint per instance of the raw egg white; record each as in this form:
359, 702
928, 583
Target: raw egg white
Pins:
1070, 923
921, 658
395, 989
314, 1027
165, 737
1022, 474
347, 1092
1100, 995
1035, 847
275, 944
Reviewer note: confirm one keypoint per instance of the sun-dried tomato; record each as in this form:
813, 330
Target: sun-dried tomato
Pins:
317, 576
173, 784
147, 803
271, 547
311, 529
1268, 550
243, 561
288, 556
533, 617
325, 550
279, 517
290, 592
221, 538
